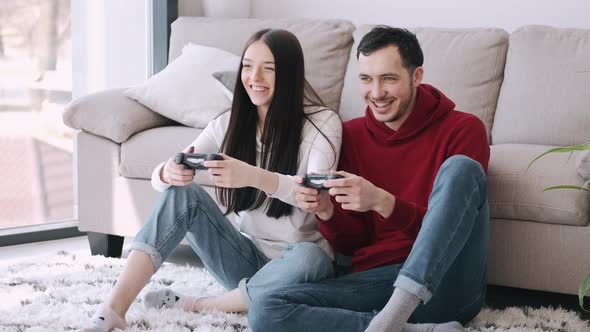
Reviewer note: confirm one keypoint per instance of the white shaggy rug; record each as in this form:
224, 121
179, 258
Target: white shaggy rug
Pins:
60, 292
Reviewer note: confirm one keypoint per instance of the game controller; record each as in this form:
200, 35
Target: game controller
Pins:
195, 160
316, 181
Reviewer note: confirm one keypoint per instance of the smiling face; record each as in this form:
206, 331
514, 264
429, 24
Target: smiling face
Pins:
258, 74
387, 87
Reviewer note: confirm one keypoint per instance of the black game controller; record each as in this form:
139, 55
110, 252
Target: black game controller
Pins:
316, 181
195, 160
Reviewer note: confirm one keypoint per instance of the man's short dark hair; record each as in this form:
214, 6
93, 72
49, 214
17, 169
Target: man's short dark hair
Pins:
382, 36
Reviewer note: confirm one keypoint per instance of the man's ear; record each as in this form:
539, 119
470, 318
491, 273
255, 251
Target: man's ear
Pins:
417, 76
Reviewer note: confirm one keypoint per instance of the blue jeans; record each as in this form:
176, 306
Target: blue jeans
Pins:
446, 268
228, 255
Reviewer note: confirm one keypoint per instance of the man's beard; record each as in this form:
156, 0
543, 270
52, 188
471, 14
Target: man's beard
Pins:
403, 108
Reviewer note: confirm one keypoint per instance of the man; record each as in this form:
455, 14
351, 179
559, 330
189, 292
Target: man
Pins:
411, 209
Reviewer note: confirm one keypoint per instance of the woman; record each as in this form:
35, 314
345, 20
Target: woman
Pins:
277, 128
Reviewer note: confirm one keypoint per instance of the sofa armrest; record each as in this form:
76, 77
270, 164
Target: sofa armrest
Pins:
583, 164
112, 115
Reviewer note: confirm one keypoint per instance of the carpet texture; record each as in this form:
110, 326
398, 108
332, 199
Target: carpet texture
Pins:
62, 291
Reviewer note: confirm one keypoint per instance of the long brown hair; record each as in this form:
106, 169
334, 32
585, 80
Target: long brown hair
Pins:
281, 136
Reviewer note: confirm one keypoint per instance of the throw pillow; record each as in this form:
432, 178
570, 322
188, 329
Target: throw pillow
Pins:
112, 115
185, 91
583, 164
227, 82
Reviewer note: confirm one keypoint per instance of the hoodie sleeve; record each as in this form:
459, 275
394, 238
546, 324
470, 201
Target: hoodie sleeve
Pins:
406, 212
346, 231
469, 139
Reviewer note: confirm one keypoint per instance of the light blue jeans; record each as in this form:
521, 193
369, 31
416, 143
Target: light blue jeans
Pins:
230, 257
446, 268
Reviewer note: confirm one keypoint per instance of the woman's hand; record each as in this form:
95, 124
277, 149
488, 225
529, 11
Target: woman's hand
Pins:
232, 173
176, 174
312, 200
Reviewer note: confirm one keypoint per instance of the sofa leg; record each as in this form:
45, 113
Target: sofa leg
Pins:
105, 244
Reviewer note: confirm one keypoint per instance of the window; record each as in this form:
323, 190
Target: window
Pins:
35, 85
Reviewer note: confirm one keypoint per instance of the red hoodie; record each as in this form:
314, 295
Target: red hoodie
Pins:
404, 163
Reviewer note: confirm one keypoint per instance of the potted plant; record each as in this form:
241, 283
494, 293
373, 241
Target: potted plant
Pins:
585, 285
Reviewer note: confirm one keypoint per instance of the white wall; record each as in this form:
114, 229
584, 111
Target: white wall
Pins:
110, 44
506, 14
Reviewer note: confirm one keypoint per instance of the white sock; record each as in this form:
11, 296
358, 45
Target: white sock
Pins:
445, 327
104, 320
167, 298
396, 312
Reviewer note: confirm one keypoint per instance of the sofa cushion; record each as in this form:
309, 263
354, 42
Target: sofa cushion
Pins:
326, 44
97, 113
517, 193
186, 91
544, 97
144, 151
465, 64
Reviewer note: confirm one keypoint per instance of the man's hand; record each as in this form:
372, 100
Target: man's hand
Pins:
313, 201
176, 174
357, 194
232, 173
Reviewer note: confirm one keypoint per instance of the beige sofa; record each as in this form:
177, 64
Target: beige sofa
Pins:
530, 88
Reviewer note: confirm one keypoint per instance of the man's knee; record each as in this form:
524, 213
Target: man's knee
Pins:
462, 165
264, 313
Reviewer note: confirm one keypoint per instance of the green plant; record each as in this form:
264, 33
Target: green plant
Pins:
585, 285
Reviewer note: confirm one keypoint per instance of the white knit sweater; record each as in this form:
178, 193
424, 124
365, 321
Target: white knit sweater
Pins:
272, 235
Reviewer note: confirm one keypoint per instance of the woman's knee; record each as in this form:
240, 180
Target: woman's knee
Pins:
309, 258
305, 250
184, 194
191, 189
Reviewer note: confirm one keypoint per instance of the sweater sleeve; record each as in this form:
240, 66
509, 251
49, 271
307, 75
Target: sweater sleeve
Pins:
322, 154
346, 231
157, 182
209, 141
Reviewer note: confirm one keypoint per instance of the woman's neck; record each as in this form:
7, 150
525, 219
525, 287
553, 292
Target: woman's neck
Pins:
261, 116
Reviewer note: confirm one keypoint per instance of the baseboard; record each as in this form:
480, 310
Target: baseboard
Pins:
39, 233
